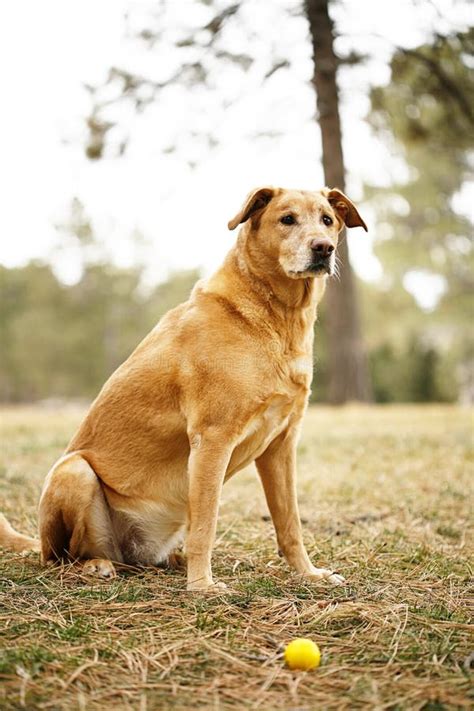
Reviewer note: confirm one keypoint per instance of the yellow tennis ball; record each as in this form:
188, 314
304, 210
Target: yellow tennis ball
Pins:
302, 654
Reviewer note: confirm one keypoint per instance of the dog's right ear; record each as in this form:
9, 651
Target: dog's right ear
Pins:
256, 200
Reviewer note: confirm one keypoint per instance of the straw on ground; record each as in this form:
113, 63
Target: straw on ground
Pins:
386, 496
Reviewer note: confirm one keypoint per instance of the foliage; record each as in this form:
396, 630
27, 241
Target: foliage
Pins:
205, 56
425, 114
433, 131
61, 340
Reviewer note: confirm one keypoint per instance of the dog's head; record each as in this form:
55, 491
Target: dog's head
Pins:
296, 231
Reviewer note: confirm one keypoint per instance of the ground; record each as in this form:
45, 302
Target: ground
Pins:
385, 499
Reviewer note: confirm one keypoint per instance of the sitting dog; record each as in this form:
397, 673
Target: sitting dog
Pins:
222, 381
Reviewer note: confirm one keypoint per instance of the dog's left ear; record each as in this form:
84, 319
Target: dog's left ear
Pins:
346, 209
255, 201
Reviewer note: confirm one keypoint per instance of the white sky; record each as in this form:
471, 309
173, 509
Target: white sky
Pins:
49, 49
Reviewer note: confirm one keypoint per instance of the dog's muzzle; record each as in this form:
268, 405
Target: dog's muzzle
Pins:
322, 266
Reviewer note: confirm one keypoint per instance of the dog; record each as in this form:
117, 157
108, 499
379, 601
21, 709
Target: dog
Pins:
222, 381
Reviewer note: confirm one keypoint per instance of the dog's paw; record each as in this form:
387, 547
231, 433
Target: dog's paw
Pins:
100, 567
325, 574
336, 579
206, 586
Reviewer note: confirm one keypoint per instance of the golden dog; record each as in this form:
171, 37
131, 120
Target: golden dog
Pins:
223, 380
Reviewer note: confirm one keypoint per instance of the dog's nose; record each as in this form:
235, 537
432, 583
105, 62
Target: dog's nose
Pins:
322, 248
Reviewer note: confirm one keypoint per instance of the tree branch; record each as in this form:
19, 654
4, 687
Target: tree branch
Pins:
446, 82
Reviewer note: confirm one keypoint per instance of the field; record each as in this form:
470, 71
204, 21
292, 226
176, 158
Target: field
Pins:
386, 499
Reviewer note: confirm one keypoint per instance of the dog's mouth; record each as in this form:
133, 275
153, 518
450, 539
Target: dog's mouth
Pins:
319, 268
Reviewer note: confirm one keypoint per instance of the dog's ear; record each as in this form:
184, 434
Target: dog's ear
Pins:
255, 201
346, 209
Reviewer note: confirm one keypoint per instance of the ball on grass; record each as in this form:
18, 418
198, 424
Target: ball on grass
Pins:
302, 654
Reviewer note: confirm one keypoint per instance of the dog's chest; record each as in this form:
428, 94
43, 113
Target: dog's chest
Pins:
271, 419
289, 396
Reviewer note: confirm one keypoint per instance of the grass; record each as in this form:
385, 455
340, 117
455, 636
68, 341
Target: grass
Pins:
386, 499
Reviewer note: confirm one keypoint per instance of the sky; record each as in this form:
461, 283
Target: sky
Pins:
181, 200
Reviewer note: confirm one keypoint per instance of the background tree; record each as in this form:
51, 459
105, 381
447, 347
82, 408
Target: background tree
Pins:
347, 368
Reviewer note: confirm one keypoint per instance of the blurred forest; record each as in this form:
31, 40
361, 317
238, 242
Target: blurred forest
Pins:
63, 340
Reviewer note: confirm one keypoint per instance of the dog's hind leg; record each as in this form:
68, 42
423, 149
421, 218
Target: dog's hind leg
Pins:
74, 518
175, 561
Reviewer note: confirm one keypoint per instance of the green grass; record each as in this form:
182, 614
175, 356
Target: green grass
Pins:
386, 499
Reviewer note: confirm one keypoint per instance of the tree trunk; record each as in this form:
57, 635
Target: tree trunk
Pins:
347, 362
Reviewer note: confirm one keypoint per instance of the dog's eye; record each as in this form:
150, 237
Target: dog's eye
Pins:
288, 220
327, 220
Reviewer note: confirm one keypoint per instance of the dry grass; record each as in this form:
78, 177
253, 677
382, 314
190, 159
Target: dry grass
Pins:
385, 497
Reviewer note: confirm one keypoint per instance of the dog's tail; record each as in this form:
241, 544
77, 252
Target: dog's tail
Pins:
14, 541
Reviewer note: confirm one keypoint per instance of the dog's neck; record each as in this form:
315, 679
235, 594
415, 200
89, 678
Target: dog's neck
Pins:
254, 287
266, 276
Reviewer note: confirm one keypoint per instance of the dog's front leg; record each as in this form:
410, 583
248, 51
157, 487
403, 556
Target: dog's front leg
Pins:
207, 466
277, 469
